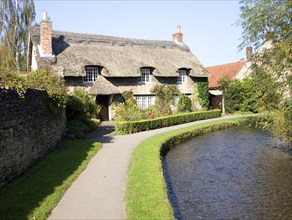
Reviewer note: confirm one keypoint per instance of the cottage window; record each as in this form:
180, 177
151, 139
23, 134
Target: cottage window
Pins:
145, 76
91, 74
182, 78
145, 102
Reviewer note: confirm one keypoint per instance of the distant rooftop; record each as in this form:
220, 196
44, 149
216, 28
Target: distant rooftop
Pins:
229, 70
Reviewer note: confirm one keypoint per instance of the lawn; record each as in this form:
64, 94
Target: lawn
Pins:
146, 193
38, 191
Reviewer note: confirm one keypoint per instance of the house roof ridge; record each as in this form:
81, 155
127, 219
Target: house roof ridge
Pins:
241, 61
99, 38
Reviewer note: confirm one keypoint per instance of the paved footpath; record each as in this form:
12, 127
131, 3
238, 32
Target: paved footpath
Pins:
99, 191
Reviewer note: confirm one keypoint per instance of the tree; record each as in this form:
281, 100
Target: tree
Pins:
240, 95
270, 20
261, 17
15, 20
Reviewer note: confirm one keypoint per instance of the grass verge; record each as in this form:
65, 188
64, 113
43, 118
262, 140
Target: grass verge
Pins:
38, 191
146, 193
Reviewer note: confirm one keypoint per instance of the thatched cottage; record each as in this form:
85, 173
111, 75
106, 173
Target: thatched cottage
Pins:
107, 66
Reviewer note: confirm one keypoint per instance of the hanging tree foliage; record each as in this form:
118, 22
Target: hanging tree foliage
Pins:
271, 68
16, 17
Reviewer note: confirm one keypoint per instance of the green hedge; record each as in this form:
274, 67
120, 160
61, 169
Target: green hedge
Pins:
130, 127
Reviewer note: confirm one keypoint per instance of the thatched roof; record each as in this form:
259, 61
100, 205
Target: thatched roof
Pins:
120, 57
102, 86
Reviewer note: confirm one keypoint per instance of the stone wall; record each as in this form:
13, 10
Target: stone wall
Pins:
28, 130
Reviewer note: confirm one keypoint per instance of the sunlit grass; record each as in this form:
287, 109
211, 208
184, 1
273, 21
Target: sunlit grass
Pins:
146, 194
38, 191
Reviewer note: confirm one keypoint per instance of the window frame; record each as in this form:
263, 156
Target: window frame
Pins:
145, 101
145, 77
92, 73
182, 78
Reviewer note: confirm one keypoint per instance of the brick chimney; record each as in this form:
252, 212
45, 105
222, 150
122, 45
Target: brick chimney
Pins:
178, 36
248, 53
46, 35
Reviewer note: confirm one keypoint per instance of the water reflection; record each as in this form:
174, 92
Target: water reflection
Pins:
237, 173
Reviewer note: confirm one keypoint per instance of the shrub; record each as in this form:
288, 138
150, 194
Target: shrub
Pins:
81, 108
81, 105
240, 95
91, 123
41, 79
13, 80
52, 83
128, 111
184, 104
79, 128
162, 108
144, 125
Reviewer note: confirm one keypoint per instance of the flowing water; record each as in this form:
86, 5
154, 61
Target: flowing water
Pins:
236, 173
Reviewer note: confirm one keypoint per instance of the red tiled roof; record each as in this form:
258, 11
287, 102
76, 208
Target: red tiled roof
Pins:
229, 70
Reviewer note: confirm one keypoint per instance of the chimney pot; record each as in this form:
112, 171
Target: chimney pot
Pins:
45, 17
178, 36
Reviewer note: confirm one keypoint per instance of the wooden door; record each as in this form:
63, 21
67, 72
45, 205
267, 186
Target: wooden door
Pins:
103, 101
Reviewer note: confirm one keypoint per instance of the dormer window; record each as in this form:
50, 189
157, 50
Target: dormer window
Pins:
91, 74
145, 76
182, 78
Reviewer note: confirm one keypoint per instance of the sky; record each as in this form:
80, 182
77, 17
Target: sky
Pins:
208, 27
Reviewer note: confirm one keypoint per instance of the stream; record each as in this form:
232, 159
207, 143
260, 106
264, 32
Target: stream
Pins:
236, 173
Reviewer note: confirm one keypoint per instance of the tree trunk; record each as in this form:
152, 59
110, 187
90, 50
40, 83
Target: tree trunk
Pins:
28, 52
223, 104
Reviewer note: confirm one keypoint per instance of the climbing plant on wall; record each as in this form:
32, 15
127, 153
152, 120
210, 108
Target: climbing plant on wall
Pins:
164, 97
202, 92
184, 104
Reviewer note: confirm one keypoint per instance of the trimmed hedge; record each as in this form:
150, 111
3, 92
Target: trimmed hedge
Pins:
130, 127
